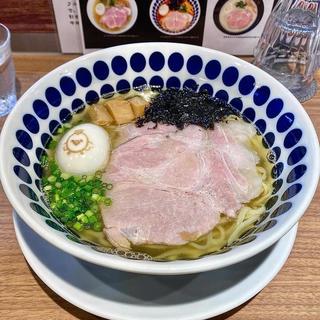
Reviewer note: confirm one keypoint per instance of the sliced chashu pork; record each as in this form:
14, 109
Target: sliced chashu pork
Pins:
170, 187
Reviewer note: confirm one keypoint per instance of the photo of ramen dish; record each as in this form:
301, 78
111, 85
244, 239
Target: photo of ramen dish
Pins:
112, 16
238, 16
174, 17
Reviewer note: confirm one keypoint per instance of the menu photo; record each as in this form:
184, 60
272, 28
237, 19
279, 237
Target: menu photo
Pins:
105, 23
235, 26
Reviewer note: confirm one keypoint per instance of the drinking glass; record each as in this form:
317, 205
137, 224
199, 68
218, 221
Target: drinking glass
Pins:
289, 46
7, 73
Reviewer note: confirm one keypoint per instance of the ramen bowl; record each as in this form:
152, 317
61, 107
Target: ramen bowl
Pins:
280, 118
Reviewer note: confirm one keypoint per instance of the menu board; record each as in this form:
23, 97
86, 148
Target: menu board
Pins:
232, 26
67, 20
128, 21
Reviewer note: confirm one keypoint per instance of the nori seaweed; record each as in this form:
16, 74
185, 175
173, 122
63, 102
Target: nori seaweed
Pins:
181, 107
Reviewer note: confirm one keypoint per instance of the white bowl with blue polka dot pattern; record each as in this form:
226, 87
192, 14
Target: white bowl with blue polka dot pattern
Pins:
280, 118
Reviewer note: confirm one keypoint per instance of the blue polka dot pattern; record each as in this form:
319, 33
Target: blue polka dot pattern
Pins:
38, 209
173, 82
277, 185
156, 61
22, 173
274, 108
261, 125
194, 64
21, 156
296, 155
101, 70
285, 122
223, 95
249, 114
271, 202
54, 225
123, 85
38, 169
92, 97
156, 81
266, 226
230, 76
41, 109
54, 126
67, 86
39, 153
291, 191
84, 77
296, 173
190, 84
269, 139
77, 104
283, 208
45, 139
277, 153
175, 61
261, 95
137, 62
65, 115
292, 138
31, 123
53, 96
28, 192
237, 103
206, 87
119, 65
212, 69
246, 85
24, 139
44, 202
139, 82
106, 90
277, 170
38, 184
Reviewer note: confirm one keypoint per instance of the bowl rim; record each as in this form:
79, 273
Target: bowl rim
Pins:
152, 267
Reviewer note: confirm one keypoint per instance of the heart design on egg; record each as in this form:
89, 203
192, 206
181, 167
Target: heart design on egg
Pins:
76, 142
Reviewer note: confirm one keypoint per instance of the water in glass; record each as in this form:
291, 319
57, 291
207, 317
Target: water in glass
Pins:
7, 73
289, 46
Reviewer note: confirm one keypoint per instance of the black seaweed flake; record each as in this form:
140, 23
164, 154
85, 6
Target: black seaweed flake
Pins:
182, 107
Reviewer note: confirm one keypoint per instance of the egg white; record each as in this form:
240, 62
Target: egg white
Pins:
83, 150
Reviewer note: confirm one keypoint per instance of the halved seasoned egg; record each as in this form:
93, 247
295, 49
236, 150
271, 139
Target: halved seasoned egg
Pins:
100, 9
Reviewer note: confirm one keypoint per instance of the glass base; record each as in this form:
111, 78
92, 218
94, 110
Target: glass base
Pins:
302, 90
7, 104
307, 93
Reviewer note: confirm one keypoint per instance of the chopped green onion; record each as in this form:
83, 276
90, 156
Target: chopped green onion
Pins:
78, 226
65, 176
75, 200
89, 213
92, 219
98, 226
52, 179
95, 197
